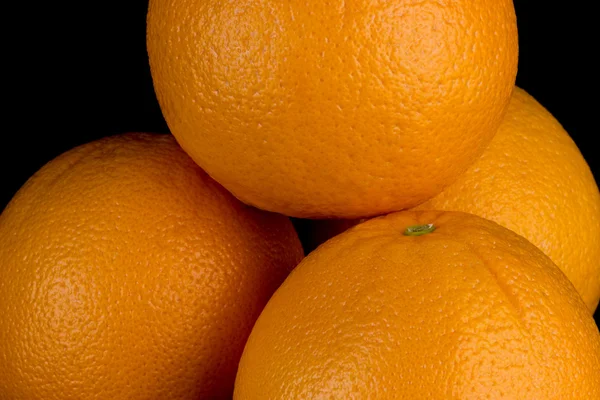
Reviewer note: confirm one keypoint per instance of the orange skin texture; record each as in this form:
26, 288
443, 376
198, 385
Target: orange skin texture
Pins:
469, 311
127, 273
533, 180
333, 108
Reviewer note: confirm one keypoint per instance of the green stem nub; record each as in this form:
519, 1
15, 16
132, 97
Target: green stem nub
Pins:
419, 230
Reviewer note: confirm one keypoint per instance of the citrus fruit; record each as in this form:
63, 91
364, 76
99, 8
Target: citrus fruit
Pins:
127, 273
333, 108
533, 180
423, 305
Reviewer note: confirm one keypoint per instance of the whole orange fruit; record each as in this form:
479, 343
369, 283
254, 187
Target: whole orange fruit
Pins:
533, 180
333, 108
127, 273
469, 311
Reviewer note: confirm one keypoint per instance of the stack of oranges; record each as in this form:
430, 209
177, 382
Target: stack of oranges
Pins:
451, 224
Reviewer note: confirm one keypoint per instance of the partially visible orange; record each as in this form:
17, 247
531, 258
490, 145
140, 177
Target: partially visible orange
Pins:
127, 273
533, 180
469, 311
333, 108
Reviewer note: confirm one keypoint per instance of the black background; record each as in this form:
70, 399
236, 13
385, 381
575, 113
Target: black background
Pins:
75, 73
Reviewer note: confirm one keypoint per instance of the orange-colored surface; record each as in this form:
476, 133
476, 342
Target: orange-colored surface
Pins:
533, 180
127, 273
333, 108
469, 311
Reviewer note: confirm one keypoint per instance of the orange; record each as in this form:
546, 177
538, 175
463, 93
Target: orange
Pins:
333, 108
469, 311
127, 273
533, 180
